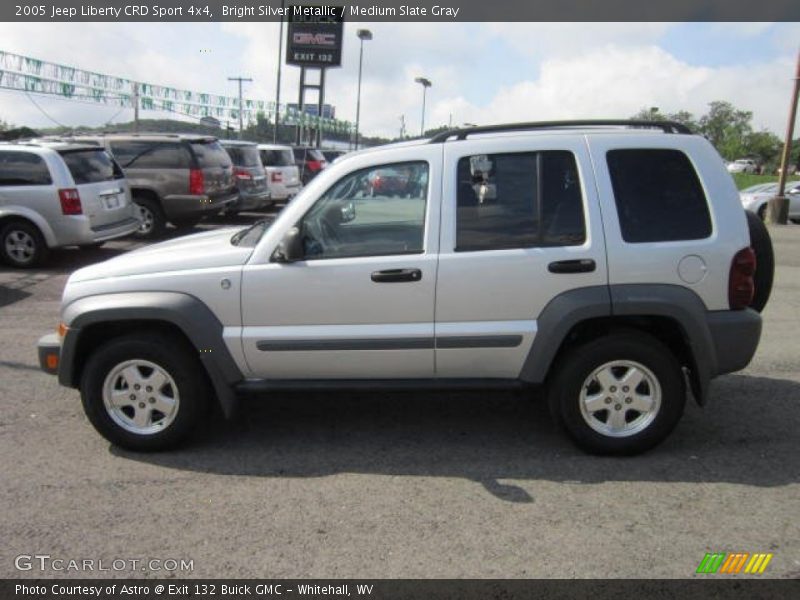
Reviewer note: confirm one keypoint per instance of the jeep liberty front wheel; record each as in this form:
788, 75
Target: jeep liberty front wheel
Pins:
142, 392
622, 393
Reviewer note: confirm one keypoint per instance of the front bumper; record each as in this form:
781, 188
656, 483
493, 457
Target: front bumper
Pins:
49, 347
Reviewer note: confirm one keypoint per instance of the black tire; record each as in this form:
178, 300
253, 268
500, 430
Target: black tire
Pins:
175, 358
765, 261
22, 245
580, 362
762, 212
154, 222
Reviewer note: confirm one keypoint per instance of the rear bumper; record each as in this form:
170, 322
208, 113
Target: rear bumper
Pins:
251, 201
78, 230
176, 207
735, 334
115, 230
281, 191
49, 348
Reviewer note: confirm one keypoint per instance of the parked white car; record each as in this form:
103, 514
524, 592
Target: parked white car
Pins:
60, 194
743, 165
755, 198
283, 175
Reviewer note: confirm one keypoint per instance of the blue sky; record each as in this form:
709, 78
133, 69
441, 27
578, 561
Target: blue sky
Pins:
482, 72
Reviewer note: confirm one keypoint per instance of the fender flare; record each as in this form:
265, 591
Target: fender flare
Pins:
189, 314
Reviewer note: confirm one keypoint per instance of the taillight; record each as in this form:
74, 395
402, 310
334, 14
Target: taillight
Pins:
741, 286
70, 201
276, 177
314, 165
197, 184
242, 174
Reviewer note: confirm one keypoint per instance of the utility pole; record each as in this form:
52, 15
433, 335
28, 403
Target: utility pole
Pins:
402, 126
240, 80
135, 107
278, 85
778, 207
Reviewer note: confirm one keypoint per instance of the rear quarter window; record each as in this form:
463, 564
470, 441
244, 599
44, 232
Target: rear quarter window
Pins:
23, 168
91, 166
658, 195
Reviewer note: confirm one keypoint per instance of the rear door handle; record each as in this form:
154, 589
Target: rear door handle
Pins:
396, 275
581, 265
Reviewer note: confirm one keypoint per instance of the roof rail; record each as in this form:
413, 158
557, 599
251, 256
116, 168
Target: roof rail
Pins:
461, 134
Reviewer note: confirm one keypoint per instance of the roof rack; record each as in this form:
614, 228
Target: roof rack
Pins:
461, 134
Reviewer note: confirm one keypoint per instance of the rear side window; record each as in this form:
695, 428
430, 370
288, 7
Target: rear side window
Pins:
141, 154
210, 155
658, 195
519, 200
91, 166
244, 156
277, 158
23, 168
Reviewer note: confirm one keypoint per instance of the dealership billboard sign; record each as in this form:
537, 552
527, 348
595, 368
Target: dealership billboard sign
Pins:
315, 36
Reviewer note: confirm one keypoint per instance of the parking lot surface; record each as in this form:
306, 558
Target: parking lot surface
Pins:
366, 485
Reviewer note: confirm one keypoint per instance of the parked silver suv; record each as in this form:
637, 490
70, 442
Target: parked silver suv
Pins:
56, 194
609, 263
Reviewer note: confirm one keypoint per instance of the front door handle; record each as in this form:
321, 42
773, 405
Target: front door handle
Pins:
396, 275
581, 265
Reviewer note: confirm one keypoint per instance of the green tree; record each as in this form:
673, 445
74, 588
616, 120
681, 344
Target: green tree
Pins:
727, 128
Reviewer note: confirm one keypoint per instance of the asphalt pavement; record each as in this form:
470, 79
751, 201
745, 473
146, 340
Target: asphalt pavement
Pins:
418, 485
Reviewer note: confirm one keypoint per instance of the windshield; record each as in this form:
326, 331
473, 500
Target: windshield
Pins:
249, 237
91, 166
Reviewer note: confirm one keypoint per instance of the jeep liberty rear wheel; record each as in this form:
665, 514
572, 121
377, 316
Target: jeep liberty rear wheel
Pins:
142, 392
765, 261
620, 394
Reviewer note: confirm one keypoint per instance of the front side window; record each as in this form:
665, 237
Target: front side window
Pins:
372, 212
518, 200
23, 168
658, 195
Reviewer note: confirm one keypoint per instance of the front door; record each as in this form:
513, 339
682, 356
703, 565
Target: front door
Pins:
360, 303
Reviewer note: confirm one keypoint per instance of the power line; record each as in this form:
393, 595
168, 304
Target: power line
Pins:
41, 110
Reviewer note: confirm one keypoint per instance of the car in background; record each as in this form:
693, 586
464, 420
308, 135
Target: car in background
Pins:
756, 198
743, 165
283, 174
332, 155
59, 194
310, 161
174, 178
248, 173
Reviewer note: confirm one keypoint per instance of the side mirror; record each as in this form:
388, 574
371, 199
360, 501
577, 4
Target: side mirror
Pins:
290, 248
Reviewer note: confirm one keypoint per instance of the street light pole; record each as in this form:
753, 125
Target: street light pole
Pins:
278, 84
363, 34
240, 80
425, 83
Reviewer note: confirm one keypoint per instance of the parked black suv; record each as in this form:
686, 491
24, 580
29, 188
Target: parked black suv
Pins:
174, 178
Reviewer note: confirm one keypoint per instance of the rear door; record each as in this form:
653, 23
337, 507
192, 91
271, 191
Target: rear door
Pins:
520, 225
101, 184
